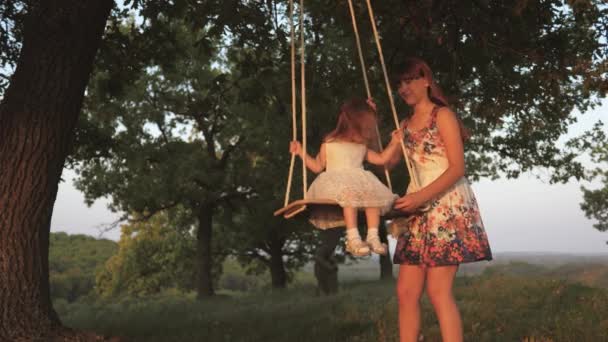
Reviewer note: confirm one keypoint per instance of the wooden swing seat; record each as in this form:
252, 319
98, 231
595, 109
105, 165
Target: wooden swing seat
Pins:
301, 205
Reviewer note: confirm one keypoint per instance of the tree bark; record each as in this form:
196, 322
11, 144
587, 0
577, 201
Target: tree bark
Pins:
326, 267
37, 119
278, 274
204, 235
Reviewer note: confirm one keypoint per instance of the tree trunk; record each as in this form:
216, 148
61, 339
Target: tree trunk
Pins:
37, 119
386, 264
277, 266
204, 287
326, 267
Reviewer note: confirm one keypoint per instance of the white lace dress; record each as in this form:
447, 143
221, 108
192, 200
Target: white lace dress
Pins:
346, 182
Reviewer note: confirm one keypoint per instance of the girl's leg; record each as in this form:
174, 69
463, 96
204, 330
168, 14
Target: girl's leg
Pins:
410, 284
439, 289
350, 217
354, 245
372, 216
373, 221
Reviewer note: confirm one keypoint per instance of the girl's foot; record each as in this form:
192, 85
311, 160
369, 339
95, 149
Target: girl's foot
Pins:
356, 247
377, 246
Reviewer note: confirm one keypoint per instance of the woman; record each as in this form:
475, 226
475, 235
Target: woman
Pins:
444, 228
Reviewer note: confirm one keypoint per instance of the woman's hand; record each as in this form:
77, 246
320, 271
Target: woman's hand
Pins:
295, 147
372, 104
410, 202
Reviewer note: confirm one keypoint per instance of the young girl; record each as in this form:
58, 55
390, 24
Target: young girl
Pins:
346, 182
450, 232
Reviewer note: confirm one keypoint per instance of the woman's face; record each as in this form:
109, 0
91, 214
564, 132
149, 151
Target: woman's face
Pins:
414, 90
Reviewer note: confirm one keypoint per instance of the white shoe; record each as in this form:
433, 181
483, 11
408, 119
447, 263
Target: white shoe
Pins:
356, 247
377, 246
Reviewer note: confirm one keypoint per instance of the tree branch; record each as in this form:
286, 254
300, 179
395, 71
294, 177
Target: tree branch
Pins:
107, 227
207, 134
148, 215
227, 197
228, 151
252, 254
163, 134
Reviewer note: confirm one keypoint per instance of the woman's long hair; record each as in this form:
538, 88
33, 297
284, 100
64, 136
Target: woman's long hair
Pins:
356, 123
414, 68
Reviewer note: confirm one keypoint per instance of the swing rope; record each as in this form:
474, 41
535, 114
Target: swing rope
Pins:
303, 101
366, 82
294, 129
389, 91
408, 163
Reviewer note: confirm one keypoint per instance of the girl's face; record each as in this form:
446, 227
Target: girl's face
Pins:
413, 90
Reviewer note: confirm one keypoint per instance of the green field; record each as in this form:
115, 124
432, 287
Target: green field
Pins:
494, 308
516, 297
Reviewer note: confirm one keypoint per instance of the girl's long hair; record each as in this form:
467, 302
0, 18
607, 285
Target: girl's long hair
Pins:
414, 68
356, 123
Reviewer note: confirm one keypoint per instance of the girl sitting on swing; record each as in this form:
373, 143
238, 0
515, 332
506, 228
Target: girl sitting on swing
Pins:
346, 182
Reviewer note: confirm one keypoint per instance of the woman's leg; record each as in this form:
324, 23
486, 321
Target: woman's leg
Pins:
372, 216
439, 284
410, 284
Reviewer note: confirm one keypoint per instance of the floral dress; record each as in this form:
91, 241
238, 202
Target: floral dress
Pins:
451, 231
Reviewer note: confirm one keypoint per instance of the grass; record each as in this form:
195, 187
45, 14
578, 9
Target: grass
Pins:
494, 308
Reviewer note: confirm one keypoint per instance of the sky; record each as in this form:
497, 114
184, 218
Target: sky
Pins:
521, 215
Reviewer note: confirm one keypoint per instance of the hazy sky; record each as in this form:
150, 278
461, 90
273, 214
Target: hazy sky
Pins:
526, 214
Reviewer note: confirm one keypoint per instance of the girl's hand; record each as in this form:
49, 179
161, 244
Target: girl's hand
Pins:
295, 147
397, 136
409, 203
372, 104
